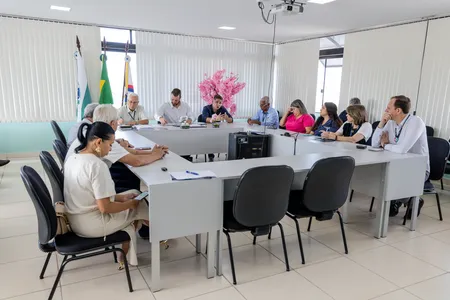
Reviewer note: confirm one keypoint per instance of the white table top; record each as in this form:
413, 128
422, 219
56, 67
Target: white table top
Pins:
153, 175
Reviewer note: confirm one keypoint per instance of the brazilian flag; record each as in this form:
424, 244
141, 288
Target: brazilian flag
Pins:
105, 87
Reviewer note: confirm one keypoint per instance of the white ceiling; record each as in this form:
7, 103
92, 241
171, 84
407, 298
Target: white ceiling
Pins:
202, 17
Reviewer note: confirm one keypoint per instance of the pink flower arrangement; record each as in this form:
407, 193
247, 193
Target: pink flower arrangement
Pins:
217, 85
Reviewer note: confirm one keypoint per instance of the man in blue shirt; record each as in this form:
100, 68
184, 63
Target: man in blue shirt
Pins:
266, 115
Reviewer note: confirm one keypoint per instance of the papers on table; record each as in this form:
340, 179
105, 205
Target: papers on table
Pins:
192, 175
143, 127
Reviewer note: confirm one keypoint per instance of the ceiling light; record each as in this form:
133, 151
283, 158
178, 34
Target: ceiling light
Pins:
227, 28
62, 8
320, 1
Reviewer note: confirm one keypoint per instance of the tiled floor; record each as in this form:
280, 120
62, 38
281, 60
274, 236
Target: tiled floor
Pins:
404, 266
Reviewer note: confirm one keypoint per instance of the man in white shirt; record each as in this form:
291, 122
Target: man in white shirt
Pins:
175, 111
132, 113
87, 118
401, 132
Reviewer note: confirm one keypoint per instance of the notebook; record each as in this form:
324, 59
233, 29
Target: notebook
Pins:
192, 175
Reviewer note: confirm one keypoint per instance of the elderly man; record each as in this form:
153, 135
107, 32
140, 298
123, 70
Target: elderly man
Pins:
87, 118
174, 111
132, 113
343, 114
266, 115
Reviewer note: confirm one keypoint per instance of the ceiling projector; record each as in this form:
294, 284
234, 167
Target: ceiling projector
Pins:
286, 7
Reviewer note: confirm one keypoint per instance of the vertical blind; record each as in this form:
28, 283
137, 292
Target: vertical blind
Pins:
382, 63
38, 70
165, 62
295, 74
434, 96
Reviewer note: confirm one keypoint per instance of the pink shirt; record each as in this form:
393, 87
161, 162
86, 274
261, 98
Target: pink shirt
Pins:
298, 125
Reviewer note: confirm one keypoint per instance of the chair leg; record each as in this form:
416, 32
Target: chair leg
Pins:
205, 158
254, 240
127, 269
343, 232
371, 204
442, 184
284, 247
299, 237
58, 277
439, 207
351, 196
233, 271
115, 255
309, 224
45, 265
270, 233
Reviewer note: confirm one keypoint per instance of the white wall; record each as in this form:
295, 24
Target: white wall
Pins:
296, 74
38, 69
382, 63
434, 96
165, 62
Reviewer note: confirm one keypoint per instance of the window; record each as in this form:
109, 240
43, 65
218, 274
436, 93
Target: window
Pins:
328, 81
116, 40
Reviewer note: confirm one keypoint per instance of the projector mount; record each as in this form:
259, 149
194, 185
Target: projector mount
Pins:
286, 7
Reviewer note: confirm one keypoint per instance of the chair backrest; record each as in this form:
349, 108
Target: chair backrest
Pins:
42, 202
313, 116
262, 195
200, 118
374, 126
58, 132
54, 174
327, 183
430, 131
61, 151
438, 151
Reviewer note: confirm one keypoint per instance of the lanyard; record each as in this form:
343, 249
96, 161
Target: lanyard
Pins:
133, 116
397, 135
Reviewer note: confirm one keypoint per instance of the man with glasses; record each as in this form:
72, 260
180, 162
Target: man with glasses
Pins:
132, 113
267, 115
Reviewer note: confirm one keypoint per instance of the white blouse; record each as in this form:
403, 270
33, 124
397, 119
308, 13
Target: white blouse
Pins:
86, 179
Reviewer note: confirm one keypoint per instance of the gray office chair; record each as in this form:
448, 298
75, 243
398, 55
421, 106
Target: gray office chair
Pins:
260, 202
325, 190
61, 151
58, 132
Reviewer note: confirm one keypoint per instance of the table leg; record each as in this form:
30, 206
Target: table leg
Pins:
198, 243
382, 218
415, 208
156, 276
219, 253
210, 256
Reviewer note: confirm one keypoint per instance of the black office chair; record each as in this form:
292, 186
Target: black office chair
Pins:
439, 150
54, 174
68, 244
320, 201
61, 151
58, 132
430, 131
313, 116
256, 208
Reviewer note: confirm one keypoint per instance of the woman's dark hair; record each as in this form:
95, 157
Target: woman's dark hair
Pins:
299, 104
88, 132
332, 114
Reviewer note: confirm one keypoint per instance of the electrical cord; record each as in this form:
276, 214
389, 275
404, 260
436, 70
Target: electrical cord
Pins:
273, 53
266, 19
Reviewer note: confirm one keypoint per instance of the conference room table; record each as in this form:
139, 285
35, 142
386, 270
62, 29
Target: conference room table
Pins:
184, 208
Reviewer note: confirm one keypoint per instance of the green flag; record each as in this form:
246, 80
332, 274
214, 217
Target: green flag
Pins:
105, 87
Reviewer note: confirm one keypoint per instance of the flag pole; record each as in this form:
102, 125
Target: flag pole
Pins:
125, 73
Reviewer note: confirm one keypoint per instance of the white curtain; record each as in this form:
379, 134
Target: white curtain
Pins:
434, 96
38, 71
382, 63
165, 62
295, 74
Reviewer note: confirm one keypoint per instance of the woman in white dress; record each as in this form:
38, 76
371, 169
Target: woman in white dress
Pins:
93, 207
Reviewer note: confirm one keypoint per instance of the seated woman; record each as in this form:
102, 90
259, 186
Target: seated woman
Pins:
93, 208
299, 120
328, 120
355, 130
215, 112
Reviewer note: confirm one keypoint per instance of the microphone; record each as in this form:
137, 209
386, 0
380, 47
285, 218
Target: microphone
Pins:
295, 143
